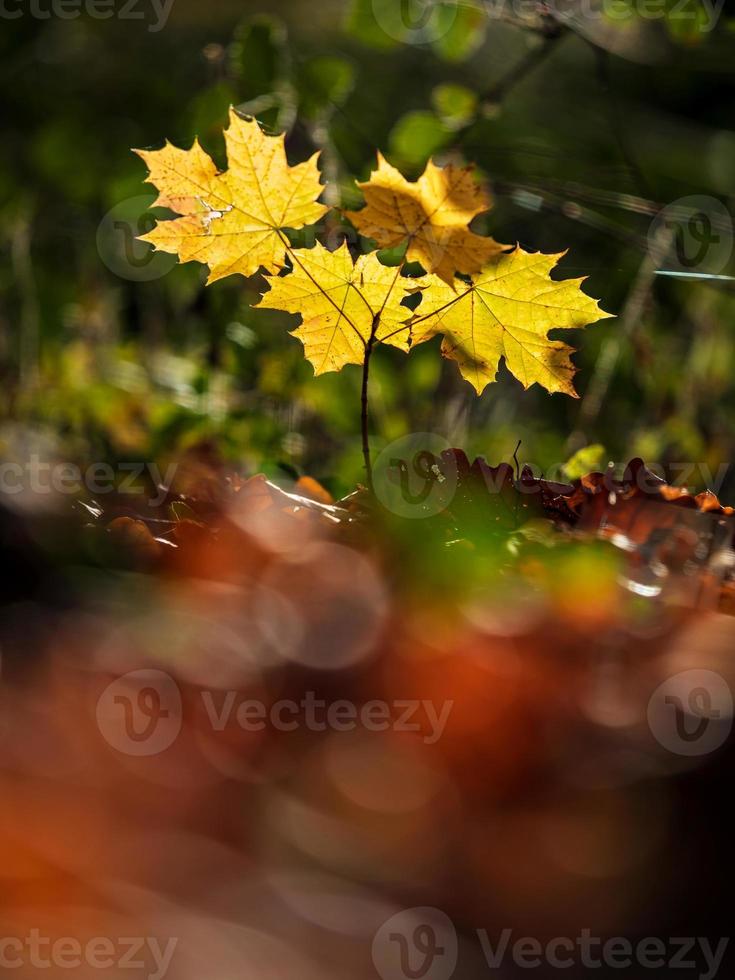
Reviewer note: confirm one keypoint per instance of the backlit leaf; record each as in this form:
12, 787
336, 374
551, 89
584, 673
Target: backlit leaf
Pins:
507, 311
432, 214
339, 302
233, 221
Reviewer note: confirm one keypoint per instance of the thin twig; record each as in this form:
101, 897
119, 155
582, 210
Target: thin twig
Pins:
364, 414
515, 458
530, 61
610, 351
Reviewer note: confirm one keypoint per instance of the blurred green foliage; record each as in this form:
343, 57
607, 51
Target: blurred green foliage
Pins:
585, 129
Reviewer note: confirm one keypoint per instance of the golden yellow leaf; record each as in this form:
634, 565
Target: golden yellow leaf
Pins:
507, 312
342, 304
432, 213
233, 221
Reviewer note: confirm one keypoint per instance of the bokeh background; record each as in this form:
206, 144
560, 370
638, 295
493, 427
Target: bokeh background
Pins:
586, 127
552, 802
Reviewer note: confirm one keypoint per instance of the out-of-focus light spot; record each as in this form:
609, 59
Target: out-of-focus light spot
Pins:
294, 444
279, 621
507, 609
200, 647
331, 903
611, 697
375, 778
648, 591
323, 607
604, 835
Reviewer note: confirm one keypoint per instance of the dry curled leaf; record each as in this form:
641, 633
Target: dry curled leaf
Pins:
307, 486
134, 535
233, 221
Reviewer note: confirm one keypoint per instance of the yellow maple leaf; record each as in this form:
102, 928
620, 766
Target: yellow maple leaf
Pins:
432, 213
507, 311
342, 304
233, 221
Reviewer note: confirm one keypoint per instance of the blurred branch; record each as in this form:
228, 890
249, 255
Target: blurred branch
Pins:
534, 57
533, 197
610, 351
605, 198
552, 32
29, 323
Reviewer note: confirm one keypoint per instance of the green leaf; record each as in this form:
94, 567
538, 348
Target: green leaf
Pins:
258, 55
363, 24
209, 112
687, 22
415, 137
453, 28
586, 460
454, 104
325, 83
460, 30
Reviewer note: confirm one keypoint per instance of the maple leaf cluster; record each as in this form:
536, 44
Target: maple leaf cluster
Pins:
504, 305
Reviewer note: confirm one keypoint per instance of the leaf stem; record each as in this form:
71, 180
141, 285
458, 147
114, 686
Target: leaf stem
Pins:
369, 344
420, 319
292, 253
364, 403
